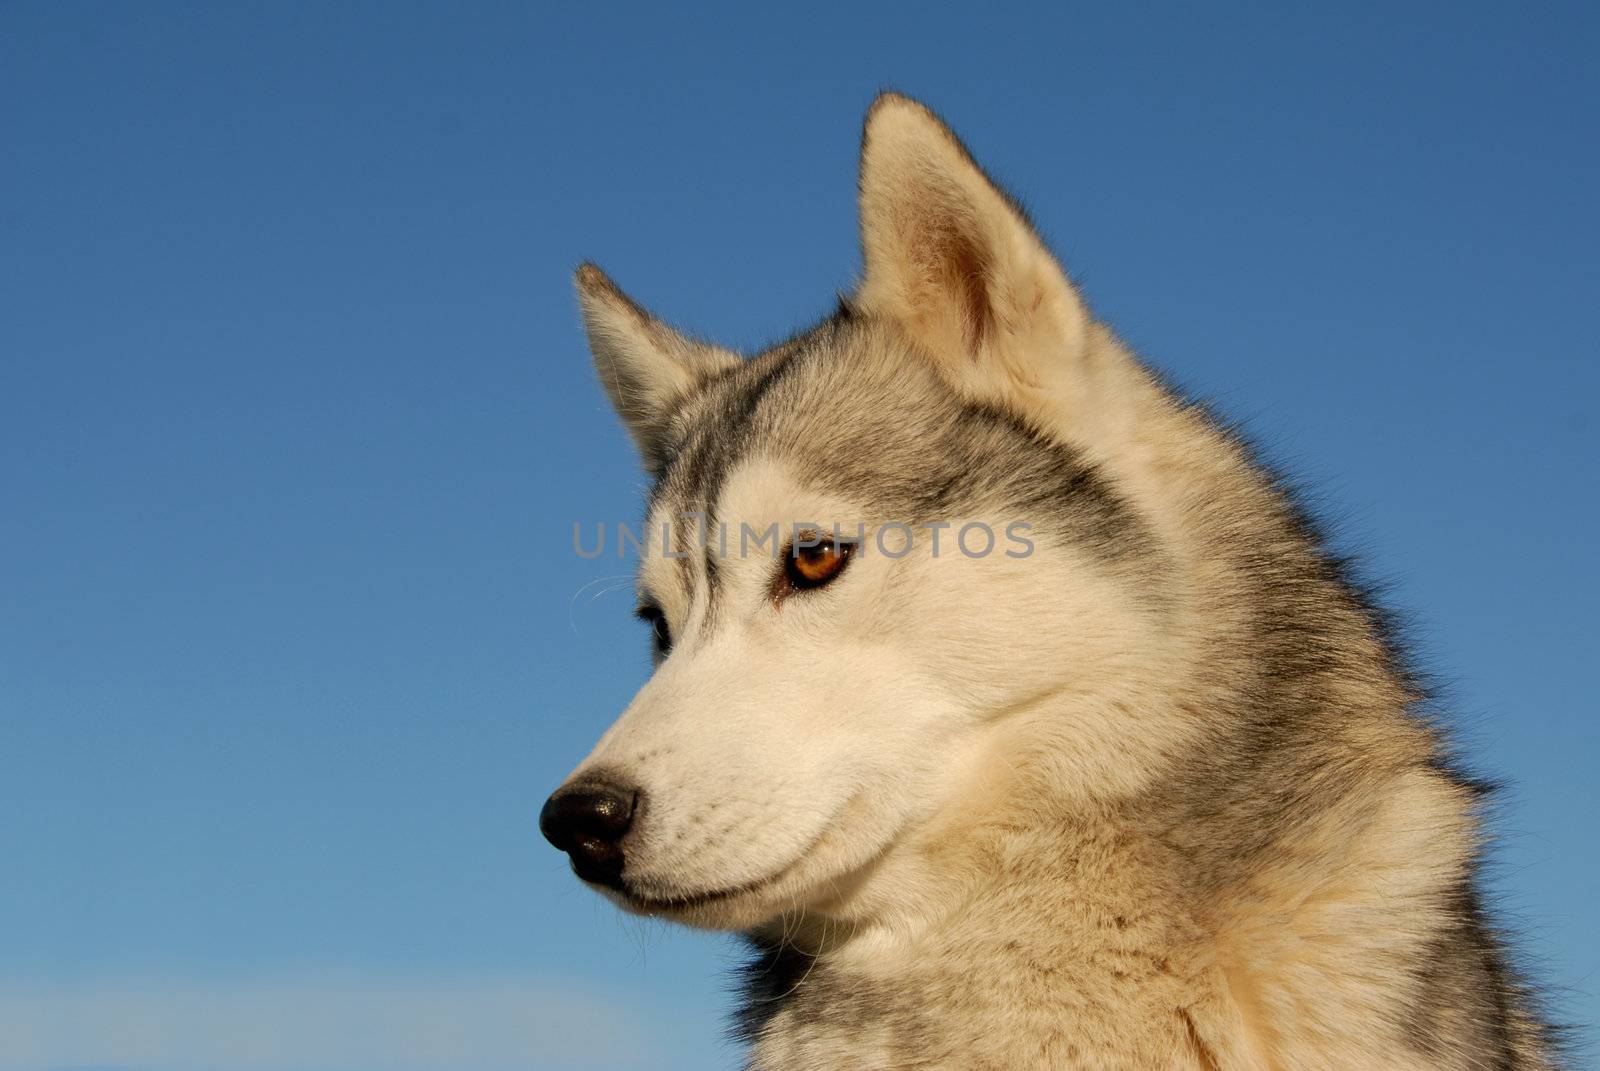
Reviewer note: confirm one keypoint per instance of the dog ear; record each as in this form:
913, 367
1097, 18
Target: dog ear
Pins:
955, 262
645, 366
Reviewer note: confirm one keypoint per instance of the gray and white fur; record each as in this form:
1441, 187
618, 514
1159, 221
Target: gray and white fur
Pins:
1155, 794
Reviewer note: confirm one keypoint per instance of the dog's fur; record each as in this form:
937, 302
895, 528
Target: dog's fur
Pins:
1156, 795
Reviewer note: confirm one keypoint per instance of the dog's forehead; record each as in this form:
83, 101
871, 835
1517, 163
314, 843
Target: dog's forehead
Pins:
851, 411
817, 395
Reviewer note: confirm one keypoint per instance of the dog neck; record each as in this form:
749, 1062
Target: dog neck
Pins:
1135, 929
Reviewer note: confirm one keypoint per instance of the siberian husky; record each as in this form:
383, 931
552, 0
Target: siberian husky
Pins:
1006, 704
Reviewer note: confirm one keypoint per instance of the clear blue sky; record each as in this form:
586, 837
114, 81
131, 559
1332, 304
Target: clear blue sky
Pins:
295, 418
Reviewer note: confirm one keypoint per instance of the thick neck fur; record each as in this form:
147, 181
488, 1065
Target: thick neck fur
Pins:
1291, 888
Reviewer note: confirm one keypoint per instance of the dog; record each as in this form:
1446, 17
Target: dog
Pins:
1010, 708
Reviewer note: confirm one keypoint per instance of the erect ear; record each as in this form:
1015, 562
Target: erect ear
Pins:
953, 261
645, 366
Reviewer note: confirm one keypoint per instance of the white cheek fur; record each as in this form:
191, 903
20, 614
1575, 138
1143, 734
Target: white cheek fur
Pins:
776, 719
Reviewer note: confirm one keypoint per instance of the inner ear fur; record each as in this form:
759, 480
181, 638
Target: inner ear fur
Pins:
952, 259
645, 366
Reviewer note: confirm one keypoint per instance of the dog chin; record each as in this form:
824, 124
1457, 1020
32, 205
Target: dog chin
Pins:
739, 908
814, 880
744, 906
838, 857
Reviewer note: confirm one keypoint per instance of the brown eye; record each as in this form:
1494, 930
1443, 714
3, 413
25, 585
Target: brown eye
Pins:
808, 567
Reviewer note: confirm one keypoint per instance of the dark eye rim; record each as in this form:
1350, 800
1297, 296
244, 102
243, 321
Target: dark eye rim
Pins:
660, 630
797, 581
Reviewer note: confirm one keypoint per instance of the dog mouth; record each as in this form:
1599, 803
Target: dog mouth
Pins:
651, 903
647, 903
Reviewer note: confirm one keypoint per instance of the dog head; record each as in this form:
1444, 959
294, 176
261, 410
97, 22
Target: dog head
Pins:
881, 558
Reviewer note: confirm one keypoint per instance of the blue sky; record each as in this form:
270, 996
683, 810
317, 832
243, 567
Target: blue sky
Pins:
296, 417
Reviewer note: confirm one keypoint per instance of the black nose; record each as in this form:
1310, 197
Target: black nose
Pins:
588, 821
